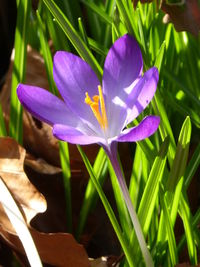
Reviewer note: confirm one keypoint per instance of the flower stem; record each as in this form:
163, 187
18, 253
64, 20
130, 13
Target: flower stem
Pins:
112, 154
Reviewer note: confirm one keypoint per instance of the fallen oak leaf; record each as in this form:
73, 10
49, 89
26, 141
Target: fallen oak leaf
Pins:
40, 165
185, 17
184, 14
16, 218
57, 249
12, 172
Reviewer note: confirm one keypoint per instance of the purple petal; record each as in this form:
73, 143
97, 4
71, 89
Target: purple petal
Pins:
123, 65
74, 77
74, 136
45, 106
146, 128
142, 94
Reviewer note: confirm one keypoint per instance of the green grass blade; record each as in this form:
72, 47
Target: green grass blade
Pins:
19, 67
65, 164
146, 145
74, 37
126, 18
90, 198
141, 32
109, 211
195, 222
179, 84
169, 229
63, 151
181, 156
82, 31
121, 205
136, 177
160, 56
150, 194
101, 50
159, 109
99, 11
46, 55
58, 37
192, 166
72, 11
184, 211
3, 131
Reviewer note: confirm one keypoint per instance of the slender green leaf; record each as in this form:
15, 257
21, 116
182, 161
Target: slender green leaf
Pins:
58, 37
169, 230
3, 131
150, 194
121, 205
160, 56
184, 211
90, 198
19, 67
99, 11
129, 23
72, 11
195, 222
136, 176
192, 166
65, 164
109, 211
97, 47
82, 31
46, 55
181, 156
159, 109
74, 37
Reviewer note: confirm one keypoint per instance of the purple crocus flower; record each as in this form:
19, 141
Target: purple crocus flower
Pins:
88, 113
91, 113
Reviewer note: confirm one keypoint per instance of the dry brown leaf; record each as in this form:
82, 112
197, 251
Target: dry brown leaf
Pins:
100, 262
59, 249
40, 165
56, 249
12, 171
184, 18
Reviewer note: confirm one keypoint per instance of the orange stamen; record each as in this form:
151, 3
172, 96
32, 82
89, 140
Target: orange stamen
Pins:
94, 105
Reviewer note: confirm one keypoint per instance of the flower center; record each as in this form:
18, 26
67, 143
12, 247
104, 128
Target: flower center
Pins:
100, 114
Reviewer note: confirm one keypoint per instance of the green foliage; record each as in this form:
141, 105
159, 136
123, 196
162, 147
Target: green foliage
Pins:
162, 171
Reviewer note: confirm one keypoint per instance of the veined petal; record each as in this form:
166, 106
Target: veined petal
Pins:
45, 106
123, 65
146, 128
74, 136
74, 77
142, 94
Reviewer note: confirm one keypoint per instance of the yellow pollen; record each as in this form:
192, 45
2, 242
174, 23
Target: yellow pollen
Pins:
94, 105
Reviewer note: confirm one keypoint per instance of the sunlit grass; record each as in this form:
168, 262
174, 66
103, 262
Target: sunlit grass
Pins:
161, 172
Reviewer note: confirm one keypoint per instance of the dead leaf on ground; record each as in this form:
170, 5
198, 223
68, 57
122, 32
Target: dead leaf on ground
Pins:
40, 165
56, 249
12, 171
184, 18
